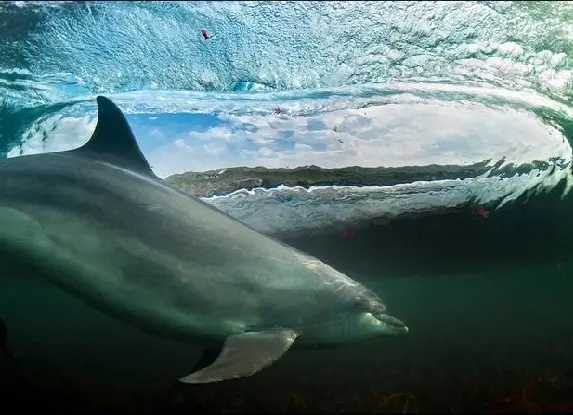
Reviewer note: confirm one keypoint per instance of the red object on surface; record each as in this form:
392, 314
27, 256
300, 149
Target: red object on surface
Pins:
277, 111
204, 34
347, 234
480, 210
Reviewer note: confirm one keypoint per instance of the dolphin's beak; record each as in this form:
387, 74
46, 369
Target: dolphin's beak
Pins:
391, 325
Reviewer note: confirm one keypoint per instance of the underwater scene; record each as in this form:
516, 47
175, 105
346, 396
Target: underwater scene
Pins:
286, 206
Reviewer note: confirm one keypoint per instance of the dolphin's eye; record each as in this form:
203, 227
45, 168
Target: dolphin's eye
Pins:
358, 304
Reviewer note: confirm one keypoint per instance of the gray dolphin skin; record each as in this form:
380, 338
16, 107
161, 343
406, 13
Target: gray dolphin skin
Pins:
99, 224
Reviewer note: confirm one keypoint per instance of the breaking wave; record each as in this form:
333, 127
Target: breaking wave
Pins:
413, 86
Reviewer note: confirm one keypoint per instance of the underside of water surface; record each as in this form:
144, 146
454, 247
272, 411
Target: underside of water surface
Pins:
364, 133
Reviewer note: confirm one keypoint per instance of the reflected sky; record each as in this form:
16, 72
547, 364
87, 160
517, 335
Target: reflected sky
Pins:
391, 135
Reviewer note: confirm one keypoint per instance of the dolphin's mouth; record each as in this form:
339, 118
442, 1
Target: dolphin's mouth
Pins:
393, 322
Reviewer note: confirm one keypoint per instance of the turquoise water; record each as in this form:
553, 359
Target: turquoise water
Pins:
371, 84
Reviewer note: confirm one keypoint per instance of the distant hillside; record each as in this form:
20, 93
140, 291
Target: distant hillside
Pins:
225, 181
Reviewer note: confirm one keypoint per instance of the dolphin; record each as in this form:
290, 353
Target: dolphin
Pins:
99, 224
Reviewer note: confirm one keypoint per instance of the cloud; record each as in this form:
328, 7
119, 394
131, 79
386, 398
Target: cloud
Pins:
56, 134
391, 135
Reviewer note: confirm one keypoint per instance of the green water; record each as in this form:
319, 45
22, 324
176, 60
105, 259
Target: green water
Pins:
486, 317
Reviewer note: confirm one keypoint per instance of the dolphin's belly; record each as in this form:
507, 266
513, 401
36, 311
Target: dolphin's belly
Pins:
188, 298
120, 275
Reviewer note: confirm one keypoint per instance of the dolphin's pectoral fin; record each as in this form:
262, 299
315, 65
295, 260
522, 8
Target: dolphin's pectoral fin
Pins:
18, 227
244, 355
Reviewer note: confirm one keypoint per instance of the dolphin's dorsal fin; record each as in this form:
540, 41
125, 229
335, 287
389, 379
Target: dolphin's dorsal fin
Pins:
113, 139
